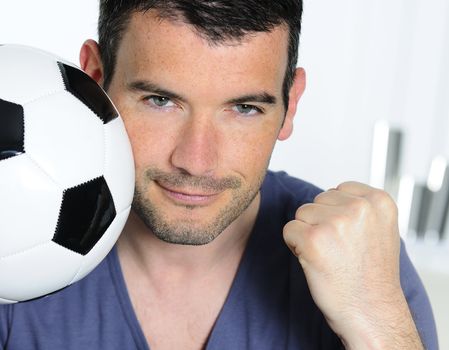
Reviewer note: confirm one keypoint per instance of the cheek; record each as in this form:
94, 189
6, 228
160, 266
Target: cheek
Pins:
251, 151
148, 140
149, 143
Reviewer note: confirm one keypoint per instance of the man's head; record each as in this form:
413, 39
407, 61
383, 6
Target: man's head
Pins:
204, 88
218, 21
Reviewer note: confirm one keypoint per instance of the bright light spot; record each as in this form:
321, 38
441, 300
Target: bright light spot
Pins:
404, 202
436, 174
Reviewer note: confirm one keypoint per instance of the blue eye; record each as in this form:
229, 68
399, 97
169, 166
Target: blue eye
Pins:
159, 101
247, 110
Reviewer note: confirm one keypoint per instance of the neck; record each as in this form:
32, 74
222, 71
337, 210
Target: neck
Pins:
142, 251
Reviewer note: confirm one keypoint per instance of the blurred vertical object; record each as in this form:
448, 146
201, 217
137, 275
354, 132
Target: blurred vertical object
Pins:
445, 231
418, 210
386, 158
438, 186
423, 211
424, 207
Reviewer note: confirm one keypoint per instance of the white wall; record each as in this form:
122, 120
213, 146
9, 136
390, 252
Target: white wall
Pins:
58, 26
366, 60
370, 60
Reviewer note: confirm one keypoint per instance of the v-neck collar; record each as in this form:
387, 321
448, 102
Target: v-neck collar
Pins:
223, 316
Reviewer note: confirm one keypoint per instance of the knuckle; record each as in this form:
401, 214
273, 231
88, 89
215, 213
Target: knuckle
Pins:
292, 230
378, 195
291, 233
359, 205
303, 208
383, 200
319, 197
314, 231
342, 185
288, 227
319, 239
315, 237
338, 224
319, 232
323, 197
345, 185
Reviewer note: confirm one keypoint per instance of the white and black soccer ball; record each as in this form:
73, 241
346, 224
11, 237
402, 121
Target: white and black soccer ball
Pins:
66, 174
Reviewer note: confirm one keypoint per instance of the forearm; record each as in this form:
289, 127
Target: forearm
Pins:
389, 326
348, 244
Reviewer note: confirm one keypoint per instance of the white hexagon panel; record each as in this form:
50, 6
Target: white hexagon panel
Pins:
38, 75
26, 189
66, 142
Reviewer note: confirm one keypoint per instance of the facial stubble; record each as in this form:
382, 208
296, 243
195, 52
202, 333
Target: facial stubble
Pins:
188, 231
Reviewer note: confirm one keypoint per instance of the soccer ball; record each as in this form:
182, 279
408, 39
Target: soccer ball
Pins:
66, 174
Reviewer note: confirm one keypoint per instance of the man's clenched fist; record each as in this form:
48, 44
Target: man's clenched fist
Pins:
347, 242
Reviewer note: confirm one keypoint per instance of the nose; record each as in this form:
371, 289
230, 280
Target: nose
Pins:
195, 152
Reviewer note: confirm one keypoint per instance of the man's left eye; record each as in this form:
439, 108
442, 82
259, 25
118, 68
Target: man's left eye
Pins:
246, 109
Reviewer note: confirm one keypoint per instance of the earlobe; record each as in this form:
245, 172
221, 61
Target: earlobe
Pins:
296, 91
90, 60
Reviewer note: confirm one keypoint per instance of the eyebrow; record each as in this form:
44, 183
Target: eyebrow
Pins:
263, 97
149, 87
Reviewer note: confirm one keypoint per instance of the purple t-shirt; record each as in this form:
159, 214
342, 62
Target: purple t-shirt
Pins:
268, 307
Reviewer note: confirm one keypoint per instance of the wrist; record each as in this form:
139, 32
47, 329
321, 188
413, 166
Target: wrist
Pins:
382, 326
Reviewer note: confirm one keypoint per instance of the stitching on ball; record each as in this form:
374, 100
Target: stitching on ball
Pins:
24, 251
47, 94
43, 170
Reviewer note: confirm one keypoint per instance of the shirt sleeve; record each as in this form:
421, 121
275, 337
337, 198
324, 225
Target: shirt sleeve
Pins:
418, 302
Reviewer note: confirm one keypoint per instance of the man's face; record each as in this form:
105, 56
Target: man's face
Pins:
202, 119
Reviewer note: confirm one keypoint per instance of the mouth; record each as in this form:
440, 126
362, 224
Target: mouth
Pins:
187, 196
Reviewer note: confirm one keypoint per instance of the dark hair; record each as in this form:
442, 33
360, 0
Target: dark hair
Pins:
217, 20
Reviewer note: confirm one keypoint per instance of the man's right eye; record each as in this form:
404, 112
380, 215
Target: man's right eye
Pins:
159, 101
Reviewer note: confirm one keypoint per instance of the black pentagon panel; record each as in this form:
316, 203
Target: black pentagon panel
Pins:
88, 91
11, 130
86, 212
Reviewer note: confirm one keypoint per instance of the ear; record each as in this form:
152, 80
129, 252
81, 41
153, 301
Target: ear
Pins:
90, 61
296, 91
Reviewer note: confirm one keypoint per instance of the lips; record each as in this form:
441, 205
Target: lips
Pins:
186, 196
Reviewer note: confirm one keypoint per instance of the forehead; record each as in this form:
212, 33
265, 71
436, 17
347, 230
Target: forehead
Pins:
152, 45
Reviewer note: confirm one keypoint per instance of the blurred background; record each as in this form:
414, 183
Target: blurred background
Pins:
376, 108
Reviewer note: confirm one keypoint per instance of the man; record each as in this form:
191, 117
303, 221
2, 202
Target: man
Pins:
205, 89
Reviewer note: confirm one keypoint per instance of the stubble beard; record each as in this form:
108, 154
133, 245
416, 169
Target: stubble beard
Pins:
188, 231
